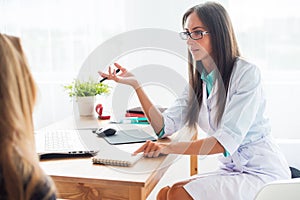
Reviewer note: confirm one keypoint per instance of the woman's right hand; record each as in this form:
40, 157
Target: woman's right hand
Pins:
153, 149
124, 77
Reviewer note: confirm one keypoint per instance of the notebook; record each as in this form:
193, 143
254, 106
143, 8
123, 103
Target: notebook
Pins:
115, 157
139, 110
62, 143
129, 136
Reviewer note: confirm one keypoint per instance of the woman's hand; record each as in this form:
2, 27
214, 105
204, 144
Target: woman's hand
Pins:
124, 77
153, 149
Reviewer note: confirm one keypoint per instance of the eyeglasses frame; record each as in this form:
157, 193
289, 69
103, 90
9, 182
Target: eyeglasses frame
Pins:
190, 33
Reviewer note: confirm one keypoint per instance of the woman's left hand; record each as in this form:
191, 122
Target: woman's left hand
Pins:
124, 77
153, 149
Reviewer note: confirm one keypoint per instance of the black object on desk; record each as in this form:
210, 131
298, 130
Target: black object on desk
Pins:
66, 155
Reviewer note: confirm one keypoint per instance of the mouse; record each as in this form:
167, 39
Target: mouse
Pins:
107, 132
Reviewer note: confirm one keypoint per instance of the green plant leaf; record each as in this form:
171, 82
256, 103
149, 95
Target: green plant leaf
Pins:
86, 88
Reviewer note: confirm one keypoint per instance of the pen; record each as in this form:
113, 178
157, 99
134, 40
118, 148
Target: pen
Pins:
136, 120
117, 71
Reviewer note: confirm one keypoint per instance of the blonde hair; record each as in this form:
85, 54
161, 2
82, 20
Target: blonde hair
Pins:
19, 163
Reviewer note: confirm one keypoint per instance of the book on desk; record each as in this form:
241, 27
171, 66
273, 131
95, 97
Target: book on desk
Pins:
116, 157
138, 111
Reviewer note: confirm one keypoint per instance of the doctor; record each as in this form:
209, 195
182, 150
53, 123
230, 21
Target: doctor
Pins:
225, 98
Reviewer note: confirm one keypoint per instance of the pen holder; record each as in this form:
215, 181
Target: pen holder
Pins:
99, 111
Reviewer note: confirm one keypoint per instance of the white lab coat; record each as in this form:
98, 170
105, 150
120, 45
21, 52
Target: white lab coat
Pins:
244, 132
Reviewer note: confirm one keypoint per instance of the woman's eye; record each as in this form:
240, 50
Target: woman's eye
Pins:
198, 33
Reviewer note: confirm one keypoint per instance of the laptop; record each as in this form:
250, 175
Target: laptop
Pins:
64, 143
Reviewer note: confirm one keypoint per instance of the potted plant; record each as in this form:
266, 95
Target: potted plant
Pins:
85, 93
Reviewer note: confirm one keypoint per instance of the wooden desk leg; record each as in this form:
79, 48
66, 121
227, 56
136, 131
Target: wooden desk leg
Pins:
136, 193
194, 161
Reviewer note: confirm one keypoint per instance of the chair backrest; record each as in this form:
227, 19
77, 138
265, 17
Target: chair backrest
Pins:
287, 189
279, 190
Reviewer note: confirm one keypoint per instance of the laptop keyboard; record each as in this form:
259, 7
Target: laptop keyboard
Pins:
63, 140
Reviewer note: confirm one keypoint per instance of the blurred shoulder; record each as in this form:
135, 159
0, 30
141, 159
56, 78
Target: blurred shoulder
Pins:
245, 69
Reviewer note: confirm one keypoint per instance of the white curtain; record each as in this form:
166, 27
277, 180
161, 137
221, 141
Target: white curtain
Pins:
59, 34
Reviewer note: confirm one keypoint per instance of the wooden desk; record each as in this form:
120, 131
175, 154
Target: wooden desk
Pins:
78, 178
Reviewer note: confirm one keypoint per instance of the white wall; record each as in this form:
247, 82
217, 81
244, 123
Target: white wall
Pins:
57, 45
283, 95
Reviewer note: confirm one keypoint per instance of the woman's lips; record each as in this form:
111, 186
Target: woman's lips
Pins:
194, 50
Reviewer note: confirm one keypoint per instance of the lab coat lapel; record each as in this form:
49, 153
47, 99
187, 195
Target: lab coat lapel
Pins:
203, 120
208, 109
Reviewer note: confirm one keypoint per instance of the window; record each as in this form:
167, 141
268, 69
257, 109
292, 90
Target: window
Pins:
59, 35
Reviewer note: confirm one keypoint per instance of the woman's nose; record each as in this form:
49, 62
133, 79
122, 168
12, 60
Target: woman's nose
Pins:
189, 41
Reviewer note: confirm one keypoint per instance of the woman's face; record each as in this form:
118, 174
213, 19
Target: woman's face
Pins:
200, 49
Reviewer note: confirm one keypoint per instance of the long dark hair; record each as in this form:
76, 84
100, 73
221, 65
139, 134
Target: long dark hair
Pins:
224, 53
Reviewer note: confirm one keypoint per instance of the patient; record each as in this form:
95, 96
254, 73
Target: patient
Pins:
21, 177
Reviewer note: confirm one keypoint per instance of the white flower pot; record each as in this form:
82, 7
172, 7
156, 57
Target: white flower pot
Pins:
86, 105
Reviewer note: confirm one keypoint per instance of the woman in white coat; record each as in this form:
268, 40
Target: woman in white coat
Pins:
225, 98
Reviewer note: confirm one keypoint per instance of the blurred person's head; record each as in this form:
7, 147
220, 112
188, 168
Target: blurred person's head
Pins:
19, 163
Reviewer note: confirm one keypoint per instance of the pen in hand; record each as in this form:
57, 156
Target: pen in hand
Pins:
117, 71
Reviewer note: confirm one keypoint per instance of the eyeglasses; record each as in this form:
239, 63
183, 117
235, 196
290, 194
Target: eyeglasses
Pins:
195, 35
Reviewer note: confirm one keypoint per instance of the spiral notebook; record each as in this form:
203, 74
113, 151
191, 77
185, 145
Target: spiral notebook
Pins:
115, 157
